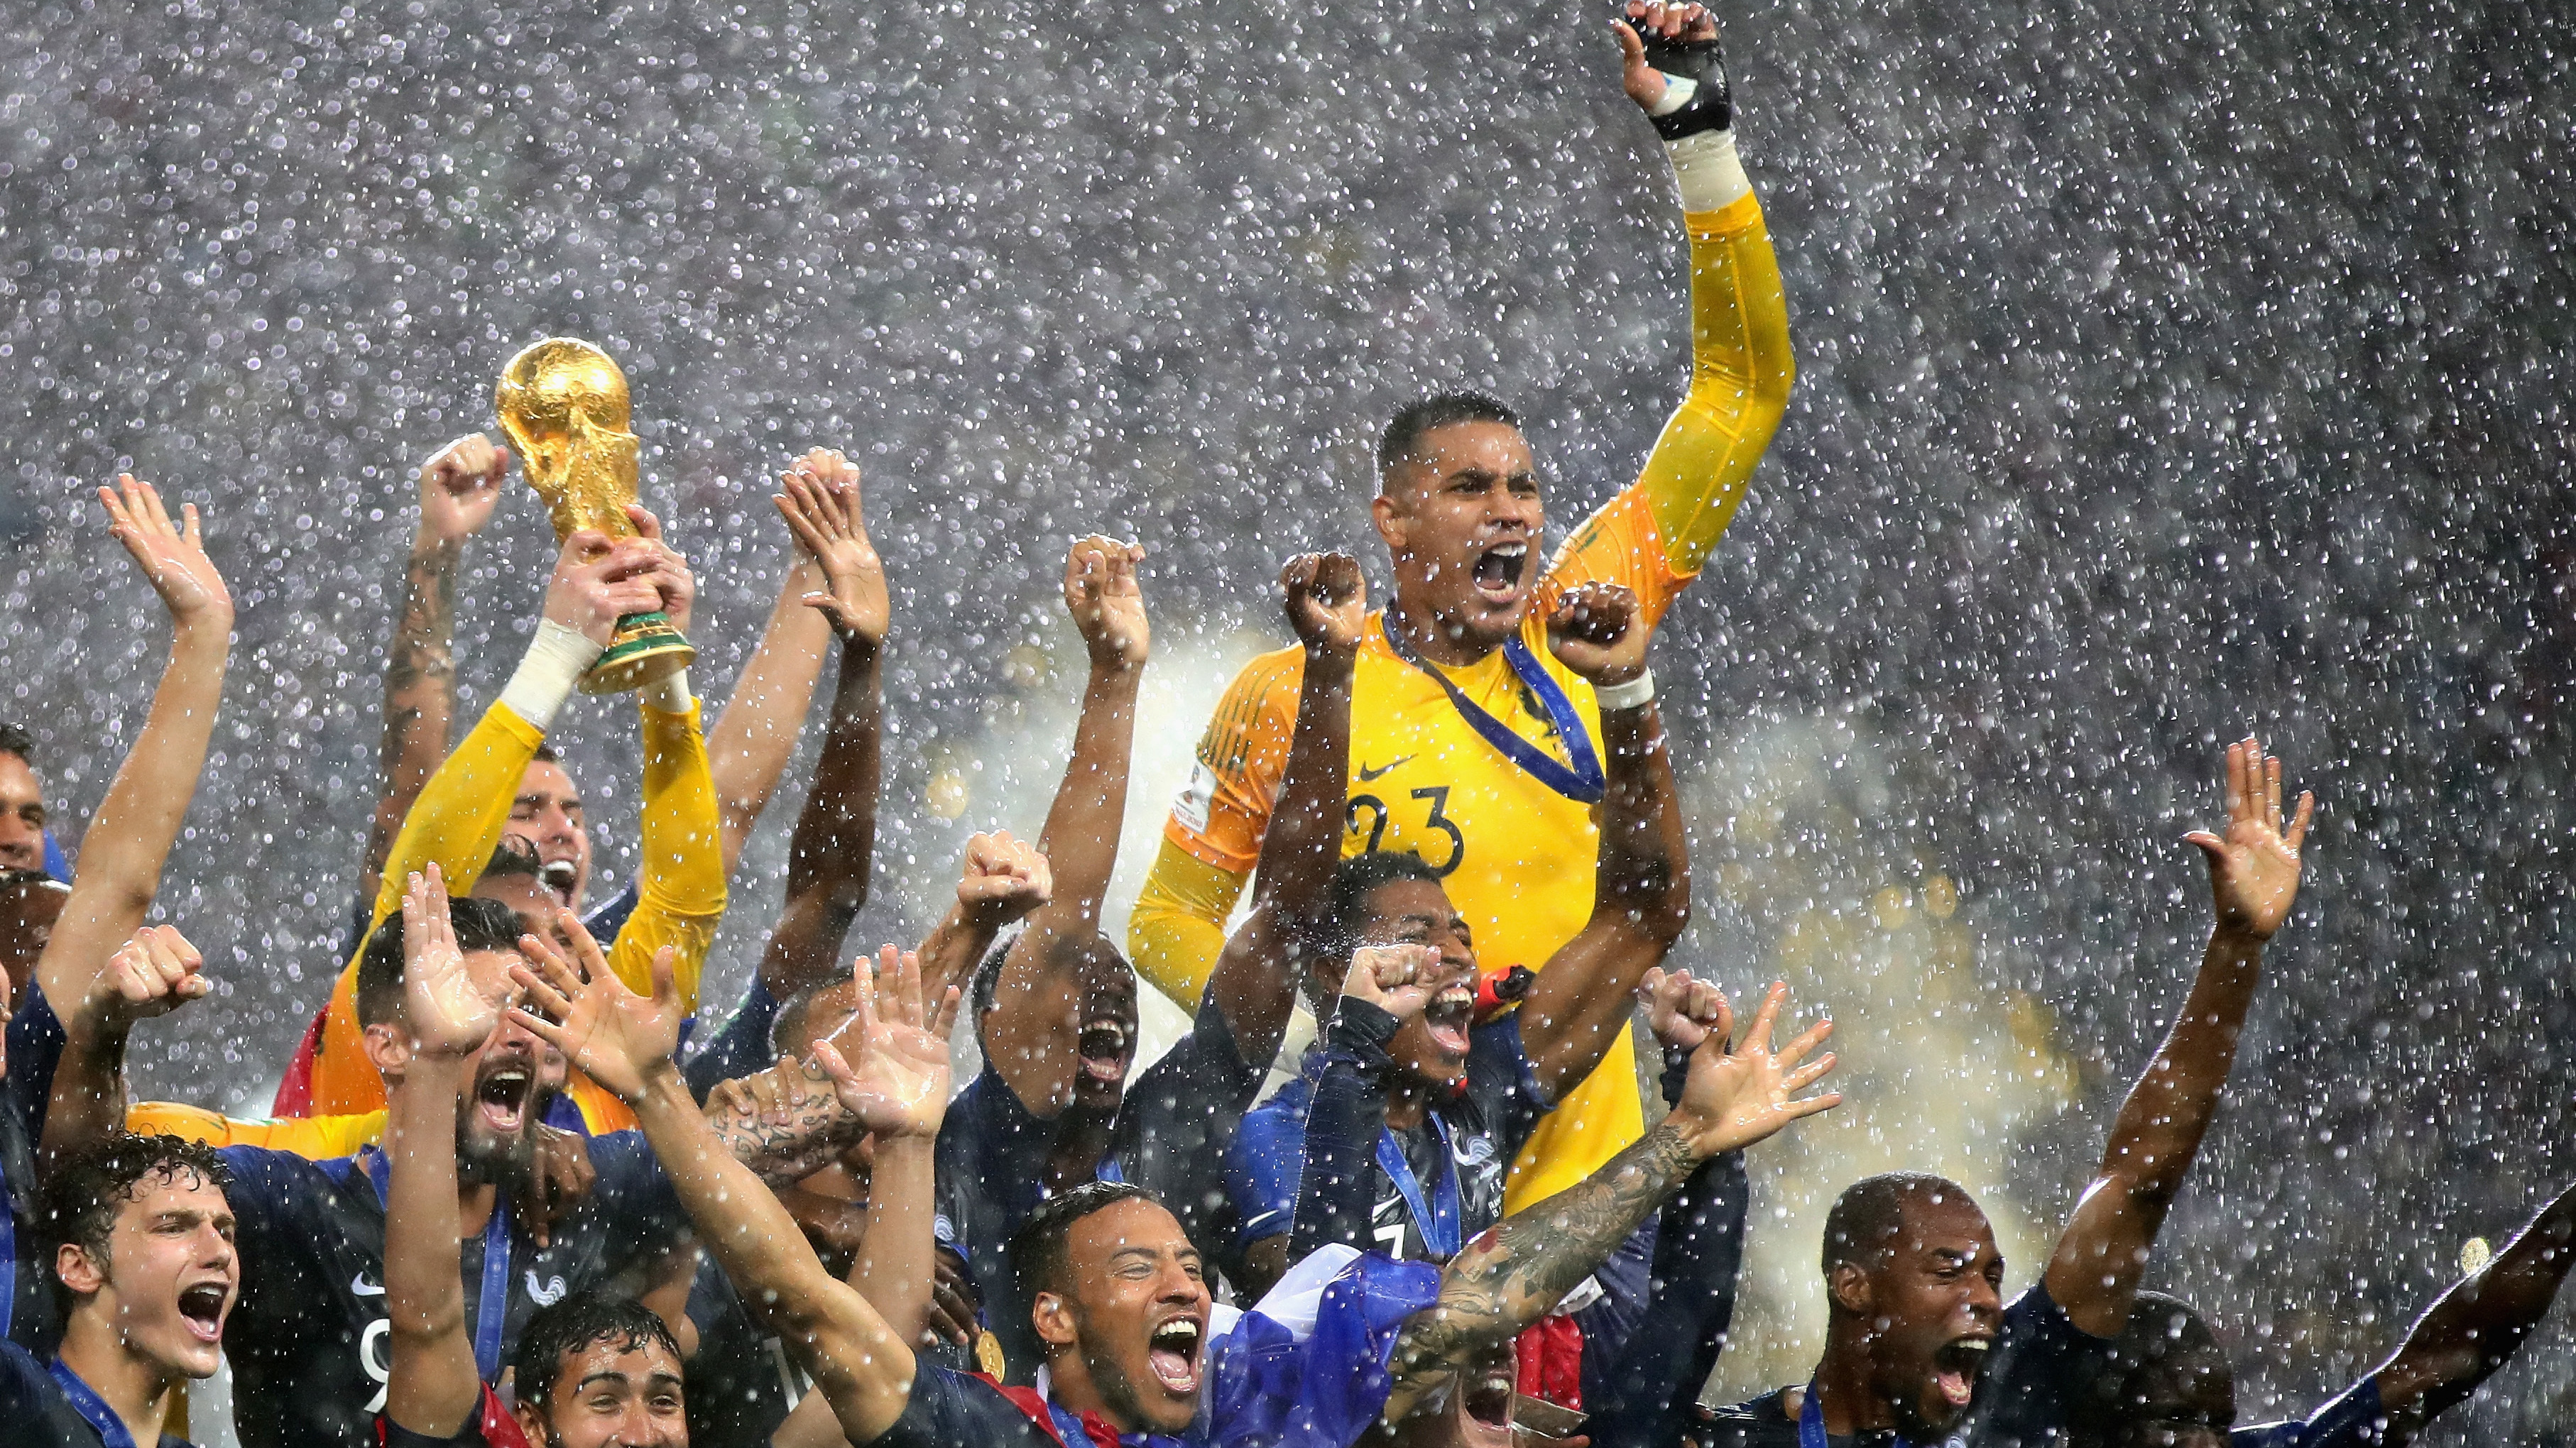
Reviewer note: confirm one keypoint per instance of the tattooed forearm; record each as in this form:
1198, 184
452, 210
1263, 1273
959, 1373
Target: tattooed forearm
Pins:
1511, 1276
420, 677
785, 1123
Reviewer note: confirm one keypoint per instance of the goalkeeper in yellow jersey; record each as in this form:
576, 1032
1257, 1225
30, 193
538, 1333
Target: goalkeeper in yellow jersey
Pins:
1471, 746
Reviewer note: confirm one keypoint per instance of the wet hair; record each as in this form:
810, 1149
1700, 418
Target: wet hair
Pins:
1343, 925
480, 925
515, 856
2151, 1372
14, 739
1867, 1218
84, 1192
1405, 431
546, 755
578, 1321
794, 1011
1039, 1256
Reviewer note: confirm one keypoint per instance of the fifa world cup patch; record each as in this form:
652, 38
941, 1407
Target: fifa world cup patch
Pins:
1196, 798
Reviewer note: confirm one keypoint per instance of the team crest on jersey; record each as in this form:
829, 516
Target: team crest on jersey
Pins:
1475, 1151
547, 1293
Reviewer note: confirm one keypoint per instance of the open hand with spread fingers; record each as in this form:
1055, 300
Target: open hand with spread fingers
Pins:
819, 497
889, 1064
172, 558
2254, 867
449, 1013
619, 1039
1738, 1097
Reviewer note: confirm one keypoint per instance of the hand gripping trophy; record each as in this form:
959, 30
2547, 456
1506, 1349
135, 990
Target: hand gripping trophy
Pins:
563, 403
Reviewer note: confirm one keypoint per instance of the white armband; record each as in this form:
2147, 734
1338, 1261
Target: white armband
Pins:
1637, 693
556, 659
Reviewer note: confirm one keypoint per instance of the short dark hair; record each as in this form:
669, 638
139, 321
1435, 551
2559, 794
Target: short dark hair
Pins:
2150, 1369
1039, 1257
14, 739
1870, 1214
545, 754
575, 1323
799, 1005
481, 925
1355, 883
82, 1195
515, 856
1441, 409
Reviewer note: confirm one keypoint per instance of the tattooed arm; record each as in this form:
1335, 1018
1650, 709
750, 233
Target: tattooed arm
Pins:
458, 487
1511, 1276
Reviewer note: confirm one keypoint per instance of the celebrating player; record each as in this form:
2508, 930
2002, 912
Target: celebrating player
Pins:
1472, 749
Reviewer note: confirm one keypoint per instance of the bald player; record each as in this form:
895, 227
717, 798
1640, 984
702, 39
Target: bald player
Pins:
1471, 747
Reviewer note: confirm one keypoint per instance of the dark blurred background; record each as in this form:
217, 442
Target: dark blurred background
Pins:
2168, 371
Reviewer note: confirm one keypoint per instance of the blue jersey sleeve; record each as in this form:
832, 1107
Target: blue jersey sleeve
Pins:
740, 1049
1654, 1376
1262, 1165
35, 1051
947, 1409
2357, 1419
1269, 1387
1337, 1178
2041, 1360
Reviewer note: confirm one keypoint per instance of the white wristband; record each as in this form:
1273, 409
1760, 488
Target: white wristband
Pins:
554, 663
670, 695
1707, 170
1637, 693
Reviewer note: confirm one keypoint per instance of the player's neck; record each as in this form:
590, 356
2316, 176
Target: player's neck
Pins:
137, 1390
1069, 1385
1842, 1384
1435, 639
474, 1204
1408, 1100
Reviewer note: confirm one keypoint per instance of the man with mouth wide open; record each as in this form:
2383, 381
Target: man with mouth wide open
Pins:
1473, 749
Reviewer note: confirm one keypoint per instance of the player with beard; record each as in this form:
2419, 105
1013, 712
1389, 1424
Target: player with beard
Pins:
1472, 748
1913, 1280
1057, 1012
1430, 1111
2170, 1385
1117, 1292
309, 1342
142, 1255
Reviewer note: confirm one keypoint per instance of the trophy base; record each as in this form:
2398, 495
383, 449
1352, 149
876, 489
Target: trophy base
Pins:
644, 650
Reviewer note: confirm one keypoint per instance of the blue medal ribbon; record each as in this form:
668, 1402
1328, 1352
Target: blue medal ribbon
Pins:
1582, 781
492, 1308
1436, 1217
92, 1408
1811, 1422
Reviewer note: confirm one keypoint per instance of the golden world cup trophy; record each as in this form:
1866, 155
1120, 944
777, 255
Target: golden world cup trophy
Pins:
563, 403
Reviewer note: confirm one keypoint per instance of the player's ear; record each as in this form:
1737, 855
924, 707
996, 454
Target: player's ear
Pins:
1848, 1286
1053, 1318
1388, 512
78, 1270
388, 1048
530, 1423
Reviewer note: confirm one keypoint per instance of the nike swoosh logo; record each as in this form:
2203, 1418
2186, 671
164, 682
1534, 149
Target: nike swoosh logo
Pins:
362, 1287
1367, 774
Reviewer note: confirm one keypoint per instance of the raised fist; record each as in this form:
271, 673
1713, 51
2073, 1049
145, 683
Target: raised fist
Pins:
1327, 603
458, 486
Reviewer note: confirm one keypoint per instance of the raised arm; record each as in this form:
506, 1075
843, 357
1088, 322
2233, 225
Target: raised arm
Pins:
129, 838
1030, 1032
433, 1387
458, 487
894, 1079
1641, 886
836, 834
1255, 982
2253, 878
623, 1041
152, 974
1336, 1185
2479, 1324
755, 737
1514, 1274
